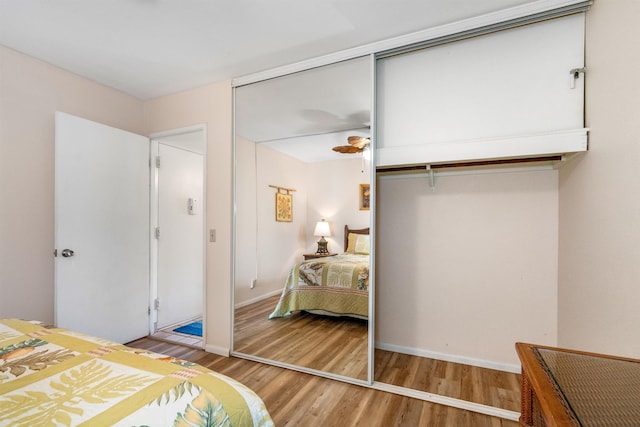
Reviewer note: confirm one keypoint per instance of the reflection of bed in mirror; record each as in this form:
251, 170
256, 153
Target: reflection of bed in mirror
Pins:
337, 344
331, 285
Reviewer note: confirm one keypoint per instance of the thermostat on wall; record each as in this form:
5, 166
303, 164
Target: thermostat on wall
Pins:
192, 206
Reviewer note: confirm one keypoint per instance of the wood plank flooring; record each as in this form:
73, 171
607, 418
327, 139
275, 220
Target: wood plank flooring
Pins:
480, 385
339, 345
330, 344
303, 400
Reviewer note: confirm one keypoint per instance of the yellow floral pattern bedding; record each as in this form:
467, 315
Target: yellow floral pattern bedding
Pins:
336, 285
53, 376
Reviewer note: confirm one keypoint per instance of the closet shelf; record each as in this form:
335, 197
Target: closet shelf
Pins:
548, 146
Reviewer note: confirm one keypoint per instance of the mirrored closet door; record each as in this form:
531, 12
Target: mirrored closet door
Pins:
302, 179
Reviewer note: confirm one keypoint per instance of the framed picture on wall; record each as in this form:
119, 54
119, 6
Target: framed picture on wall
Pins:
284, 207
364, 197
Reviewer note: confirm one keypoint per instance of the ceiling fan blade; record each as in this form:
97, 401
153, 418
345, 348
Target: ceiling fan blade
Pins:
347, 149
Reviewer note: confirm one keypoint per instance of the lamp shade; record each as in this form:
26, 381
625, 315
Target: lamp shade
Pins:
322, 229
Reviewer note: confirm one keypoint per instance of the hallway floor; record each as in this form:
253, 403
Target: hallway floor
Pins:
167, 334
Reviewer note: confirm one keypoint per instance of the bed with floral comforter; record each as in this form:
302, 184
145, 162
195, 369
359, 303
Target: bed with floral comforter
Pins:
336, 285
54, 376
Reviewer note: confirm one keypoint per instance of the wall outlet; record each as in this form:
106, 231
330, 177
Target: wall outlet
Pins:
253, 283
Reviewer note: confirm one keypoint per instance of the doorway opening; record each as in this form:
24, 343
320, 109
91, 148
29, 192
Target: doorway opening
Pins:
178, 223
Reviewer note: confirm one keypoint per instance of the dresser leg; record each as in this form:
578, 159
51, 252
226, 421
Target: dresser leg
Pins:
526, 396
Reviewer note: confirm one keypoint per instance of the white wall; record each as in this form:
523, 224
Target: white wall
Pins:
30, 93
600, 195
471, 268
334, 195
280, 244
269, 256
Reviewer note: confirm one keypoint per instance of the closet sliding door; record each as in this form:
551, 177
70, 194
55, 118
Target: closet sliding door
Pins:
510, 93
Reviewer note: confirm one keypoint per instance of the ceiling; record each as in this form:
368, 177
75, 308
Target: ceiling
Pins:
150, 48
307, 113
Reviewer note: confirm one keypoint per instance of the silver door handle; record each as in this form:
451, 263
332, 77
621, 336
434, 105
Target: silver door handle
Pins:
67, 253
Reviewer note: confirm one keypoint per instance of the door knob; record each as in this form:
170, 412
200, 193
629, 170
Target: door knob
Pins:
67, 253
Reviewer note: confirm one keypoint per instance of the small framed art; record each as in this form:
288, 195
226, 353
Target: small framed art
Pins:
364, 197
284, 207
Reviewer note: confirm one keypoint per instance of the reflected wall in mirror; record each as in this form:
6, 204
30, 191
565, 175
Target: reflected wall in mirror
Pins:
291, 305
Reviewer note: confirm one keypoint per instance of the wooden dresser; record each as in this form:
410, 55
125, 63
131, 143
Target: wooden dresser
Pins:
563, 387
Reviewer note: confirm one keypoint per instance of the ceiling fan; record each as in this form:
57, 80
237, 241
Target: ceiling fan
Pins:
356, 145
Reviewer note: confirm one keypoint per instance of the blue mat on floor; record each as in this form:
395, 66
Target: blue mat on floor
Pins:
194, 328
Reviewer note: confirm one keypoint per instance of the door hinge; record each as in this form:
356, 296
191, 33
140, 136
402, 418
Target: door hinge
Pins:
149, 311
158, 161
156, 303
157, 232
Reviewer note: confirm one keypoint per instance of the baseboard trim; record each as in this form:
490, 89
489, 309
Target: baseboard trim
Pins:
448, 401
259, 298
220, 351
506, 367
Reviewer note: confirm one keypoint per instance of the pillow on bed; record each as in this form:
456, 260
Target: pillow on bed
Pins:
358, 244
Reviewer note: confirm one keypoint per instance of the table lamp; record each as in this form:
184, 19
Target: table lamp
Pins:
322, 230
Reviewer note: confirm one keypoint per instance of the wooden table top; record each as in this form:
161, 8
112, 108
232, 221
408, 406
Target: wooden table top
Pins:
596, 389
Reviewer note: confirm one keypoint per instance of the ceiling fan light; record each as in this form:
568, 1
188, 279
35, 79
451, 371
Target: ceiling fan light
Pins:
358, 141
366, 153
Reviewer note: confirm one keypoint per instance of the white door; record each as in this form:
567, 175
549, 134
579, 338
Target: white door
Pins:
181, 223
102, 215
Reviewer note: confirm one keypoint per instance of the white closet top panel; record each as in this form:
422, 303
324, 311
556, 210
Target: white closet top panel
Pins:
500, 90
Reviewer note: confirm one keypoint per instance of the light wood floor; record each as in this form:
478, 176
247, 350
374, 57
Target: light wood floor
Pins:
479, 385
339, 345
330, 344
303, 400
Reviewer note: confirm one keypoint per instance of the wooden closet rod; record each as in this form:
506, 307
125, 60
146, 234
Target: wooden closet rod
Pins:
421, 168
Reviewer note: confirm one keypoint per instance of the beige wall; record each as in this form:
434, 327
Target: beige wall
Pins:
268, 256
599, 255
30, 93
333, 195
210, 105
599, 206
470, 268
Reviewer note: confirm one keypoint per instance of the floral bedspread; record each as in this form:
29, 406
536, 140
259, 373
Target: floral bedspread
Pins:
53, 376
336, 285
